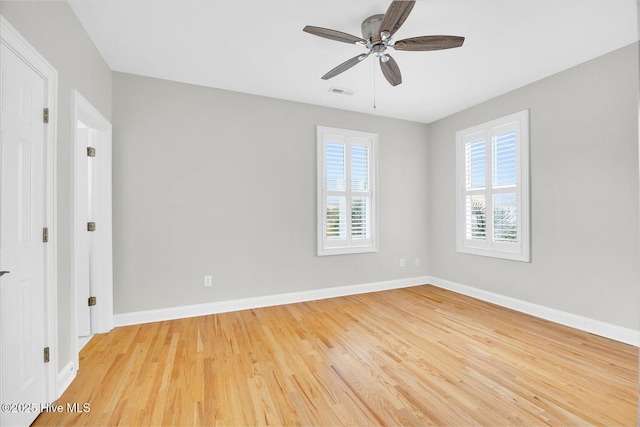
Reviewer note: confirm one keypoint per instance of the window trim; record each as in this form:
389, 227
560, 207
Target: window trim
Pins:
522, 250
344, 135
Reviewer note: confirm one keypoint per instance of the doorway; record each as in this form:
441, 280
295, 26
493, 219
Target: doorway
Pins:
91, 236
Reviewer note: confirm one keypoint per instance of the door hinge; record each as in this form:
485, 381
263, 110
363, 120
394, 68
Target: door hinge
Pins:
45, 115
92, 301
91, 226
45, 235
46, 355
91, 152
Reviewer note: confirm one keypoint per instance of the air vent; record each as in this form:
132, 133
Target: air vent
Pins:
342, 91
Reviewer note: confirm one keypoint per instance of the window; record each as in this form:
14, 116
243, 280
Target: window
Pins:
346, 191
492, 171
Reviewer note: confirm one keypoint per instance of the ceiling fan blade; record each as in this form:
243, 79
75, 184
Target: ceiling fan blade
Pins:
344, 66
334, 35
391, 71
397, 13
429, 43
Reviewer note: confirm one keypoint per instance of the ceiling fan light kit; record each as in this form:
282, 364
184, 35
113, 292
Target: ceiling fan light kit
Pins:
377, 37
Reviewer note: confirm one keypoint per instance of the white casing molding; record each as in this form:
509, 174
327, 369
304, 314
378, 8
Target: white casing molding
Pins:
102, 259
596, 327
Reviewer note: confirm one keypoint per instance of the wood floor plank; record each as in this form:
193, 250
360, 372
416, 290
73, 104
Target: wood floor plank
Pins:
414, 356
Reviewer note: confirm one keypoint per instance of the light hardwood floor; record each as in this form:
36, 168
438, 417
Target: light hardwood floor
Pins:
415, 356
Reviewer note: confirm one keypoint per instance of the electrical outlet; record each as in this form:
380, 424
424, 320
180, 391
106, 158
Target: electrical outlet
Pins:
416, 262
402, 262
207, 280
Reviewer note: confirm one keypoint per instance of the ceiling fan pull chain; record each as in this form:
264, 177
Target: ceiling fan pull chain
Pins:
374, 85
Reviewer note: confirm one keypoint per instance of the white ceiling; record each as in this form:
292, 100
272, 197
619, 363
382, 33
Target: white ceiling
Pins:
258, 47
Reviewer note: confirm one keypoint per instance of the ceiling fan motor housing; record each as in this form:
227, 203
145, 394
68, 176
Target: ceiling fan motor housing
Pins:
371, 27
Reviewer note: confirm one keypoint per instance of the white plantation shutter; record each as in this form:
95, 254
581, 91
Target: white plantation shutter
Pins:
476, 217
475, 155
360, 225
346, 191
336, 218
335, 164
335, 180
475, 163
493, 188
360, 214
505, 218
504, 171
504, 165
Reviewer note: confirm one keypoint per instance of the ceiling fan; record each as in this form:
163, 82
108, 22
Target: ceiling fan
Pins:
377, 33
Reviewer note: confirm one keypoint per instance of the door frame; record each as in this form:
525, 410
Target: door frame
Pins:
12, 39
81, 109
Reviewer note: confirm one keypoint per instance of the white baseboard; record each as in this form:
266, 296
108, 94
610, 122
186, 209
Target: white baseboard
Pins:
171, 313
65, 377
82, 341
607, 330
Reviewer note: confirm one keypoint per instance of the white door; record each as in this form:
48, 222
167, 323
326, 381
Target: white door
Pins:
21, 245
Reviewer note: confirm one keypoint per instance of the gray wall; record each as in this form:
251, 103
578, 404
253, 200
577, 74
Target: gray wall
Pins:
53, 29
584, 193
213, 182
